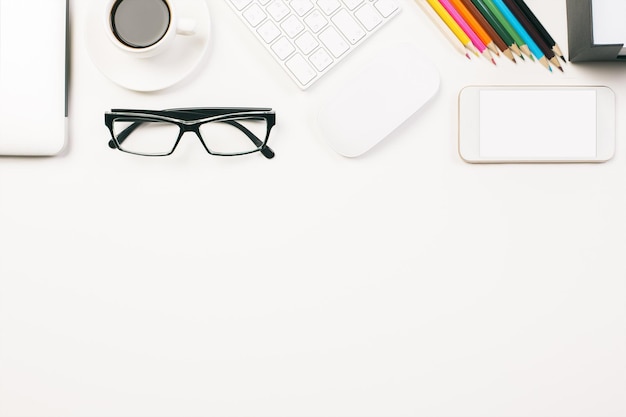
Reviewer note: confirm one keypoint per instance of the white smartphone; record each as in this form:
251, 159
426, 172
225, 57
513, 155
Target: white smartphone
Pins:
536, 124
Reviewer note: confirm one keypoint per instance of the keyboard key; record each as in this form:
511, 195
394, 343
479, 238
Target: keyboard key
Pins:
301, 7
292, 26
334, 42
348, 26
240, 4
309, 37
321, 59
283, 48
254, 15
316, 21
301, 69
352, 4
278, 10
268, 31
307, 43
328, 6
368, 16
386, 7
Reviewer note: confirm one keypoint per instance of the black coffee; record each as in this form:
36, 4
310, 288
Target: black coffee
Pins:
140, 23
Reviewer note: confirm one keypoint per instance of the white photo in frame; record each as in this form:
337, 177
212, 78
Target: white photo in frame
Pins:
608, 23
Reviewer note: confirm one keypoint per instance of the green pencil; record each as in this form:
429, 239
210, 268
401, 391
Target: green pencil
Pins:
518, 39
497, 26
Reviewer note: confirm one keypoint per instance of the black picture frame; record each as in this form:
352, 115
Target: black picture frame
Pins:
580, 35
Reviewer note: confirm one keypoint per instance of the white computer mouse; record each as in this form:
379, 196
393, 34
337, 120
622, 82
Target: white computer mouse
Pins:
396, 84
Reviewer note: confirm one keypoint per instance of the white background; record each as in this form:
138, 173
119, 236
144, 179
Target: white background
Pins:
405, 282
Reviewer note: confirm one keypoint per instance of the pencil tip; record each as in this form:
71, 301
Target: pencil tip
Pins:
468, 56
494, 62
563, 58
561, 68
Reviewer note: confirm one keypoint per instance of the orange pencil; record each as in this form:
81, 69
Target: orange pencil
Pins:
497, 39
476, 27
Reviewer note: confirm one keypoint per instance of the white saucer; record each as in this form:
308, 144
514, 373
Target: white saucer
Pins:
154, 73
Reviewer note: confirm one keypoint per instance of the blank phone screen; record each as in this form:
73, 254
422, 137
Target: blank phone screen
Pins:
538, 124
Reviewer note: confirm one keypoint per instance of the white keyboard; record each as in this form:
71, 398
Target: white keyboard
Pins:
308, 37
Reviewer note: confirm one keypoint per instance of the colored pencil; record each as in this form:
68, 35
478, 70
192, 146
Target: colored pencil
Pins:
445, 30
475, 25
509, 28
497, 26
540, 28
497, 39
532, 45
467, 29
532, 31
481, 26
454, 27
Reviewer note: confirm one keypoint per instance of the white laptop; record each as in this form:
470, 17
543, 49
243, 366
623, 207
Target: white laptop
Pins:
33, 111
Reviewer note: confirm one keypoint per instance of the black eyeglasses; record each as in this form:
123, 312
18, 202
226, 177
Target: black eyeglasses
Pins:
222, 131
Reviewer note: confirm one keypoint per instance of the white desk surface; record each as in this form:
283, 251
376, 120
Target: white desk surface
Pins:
402, 283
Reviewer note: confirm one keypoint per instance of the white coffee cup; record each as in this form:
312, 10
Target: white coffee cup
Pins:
144, 28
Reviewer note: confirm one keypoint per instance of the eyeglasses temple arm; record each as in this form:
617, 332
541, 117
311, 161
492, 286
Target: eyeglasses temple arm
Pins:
124, 134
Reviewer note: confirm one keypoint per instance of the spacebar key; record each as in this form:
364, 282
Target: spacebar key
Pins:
301, 69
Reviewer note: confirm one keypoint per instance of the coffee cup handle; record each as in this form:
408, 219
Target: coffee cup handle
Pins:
186, 26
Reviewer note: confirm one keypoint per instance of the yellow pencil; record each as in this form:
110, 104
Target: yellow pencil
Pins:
445, 30
454, 27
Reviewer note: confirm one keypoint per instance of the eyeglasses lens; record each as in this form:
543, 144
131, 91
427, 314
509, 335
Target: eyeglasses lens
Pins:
146, 137
234, 136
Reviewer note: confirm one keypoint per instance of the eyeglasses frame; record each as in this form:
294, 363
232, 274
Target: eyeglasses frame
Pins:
190, 120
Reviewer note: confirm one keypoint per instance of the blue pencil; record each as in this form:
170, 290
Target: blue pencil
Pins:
532, 45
